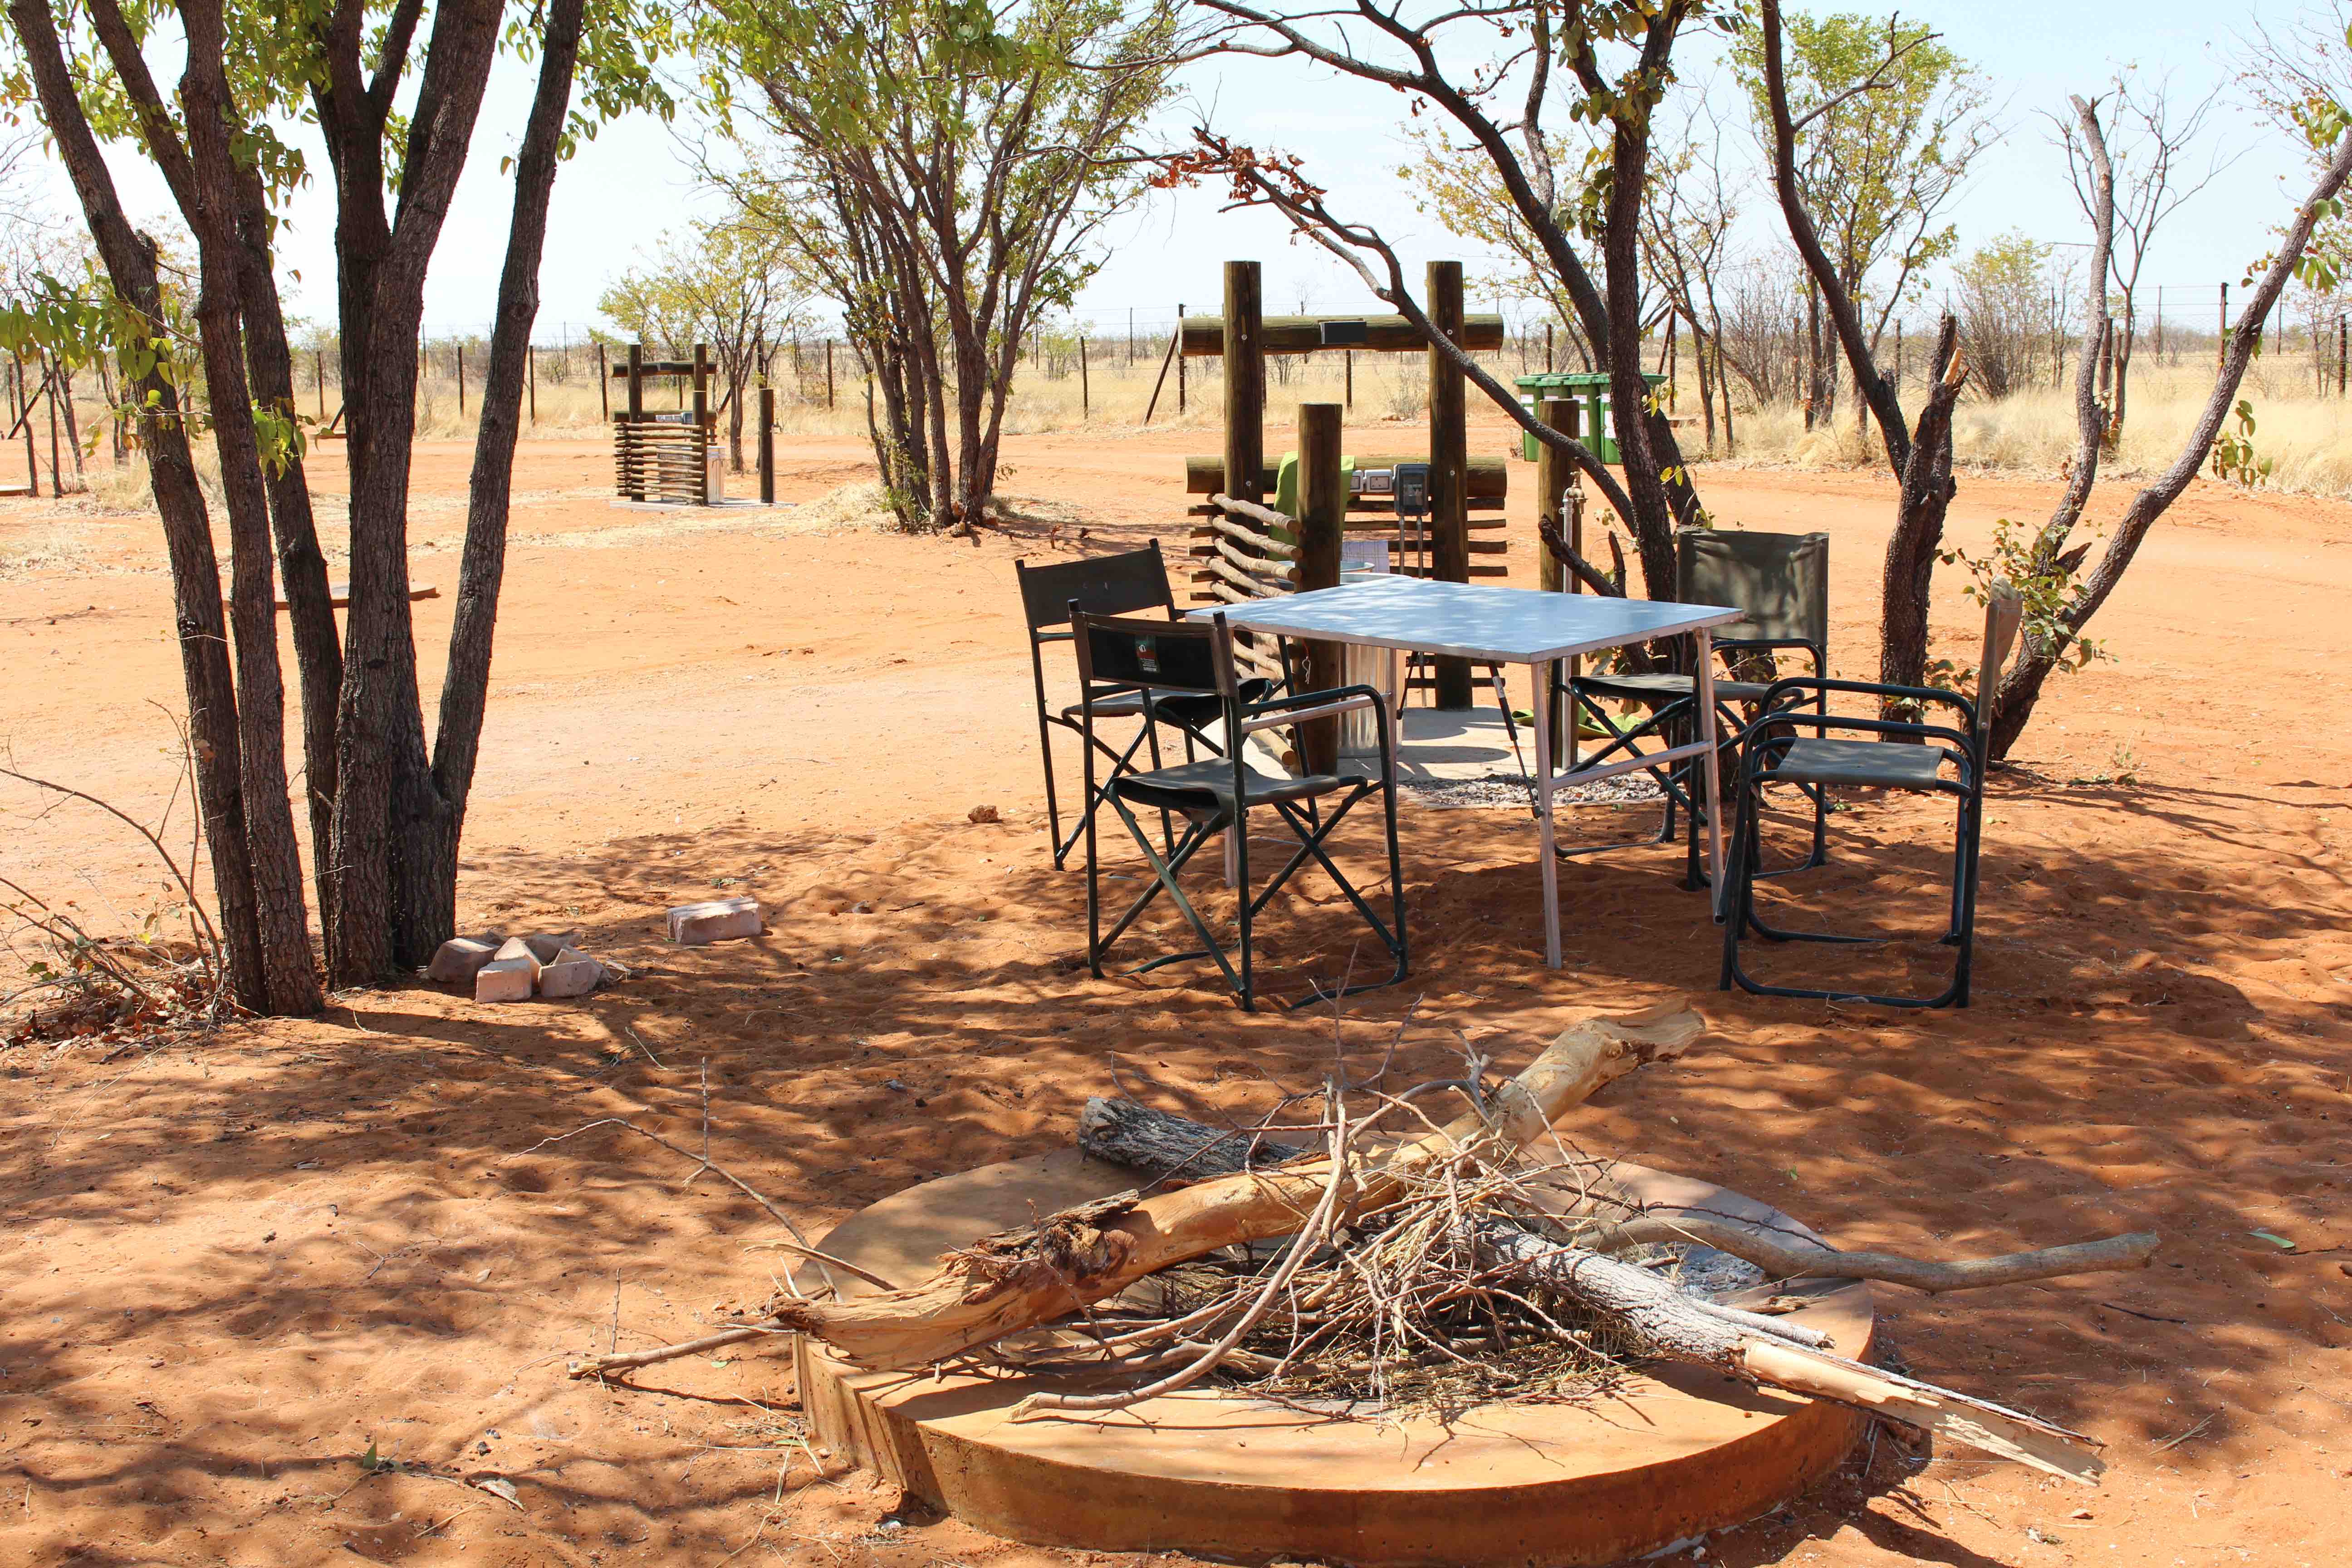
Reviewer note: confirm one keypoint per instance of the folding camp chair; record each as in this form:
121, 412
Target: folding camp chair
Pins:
1782, 581
1772, 750
1107, 584
1117, 655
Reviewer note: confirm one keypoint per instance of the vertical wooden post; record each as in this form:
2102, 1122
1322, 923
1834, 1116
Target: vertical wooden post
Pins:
1554, 474
702, 424
1350, 356
1322, 517
25, 418
319, 370
1084, 408
57, 469
637, 382
2343, 342
603, 385
1449, 466
828, 372
1245, 381
534, 363
1548, 365
2222, 339
1179, 359
461, 378
767, 445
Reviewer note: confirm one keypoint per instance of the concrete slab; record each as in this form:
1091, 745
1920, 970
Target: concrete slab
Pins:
1665, 1457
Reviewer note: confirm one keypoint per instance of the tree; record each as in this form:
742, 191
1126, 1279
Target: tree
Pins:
1888, 121
1506, 78
1686, 226
726, 284
1920, 456
941, 171
1459, 185
2004, 290
2061, 606
2152, 167
385, 813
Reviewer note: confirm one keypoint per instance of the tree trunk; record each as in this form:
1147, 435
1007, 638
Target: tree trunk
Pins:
301, 564
201, 629
430, 917
289, 979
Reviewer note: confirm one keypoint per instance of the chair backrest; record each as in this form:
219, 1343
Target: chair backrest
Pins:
1782, 579
1164, 656
2004, 613
1106, 585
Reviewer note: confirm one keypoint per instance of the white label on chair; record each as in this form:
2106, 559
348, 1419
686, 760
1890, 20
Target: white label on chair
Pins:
1146, 655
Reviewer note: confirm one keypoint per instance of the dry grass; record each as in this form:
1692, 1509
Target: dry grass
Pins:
2308, 437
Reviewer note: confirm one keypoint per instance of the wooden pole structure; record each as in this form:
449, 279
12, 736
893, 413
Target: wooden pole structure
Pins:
1084, 409
57, 468
828, 372
702, 421
319, 370
24, 418
1245, 359
1322, 517
603, 387
635, 412
1176, 347
2222, 339
461, 378
1449, 465
534, 363
1349, 356
2343, 342
767, 445
1548, 365
1554, 473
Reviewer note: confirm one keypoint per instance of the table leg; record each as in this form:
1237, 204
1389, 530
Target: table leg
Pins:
1543, 716
1713, 759
1396, 705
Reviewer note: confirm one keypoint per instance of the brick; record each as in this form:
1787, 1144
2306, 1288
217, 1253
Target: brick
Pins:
571, 973
505, 979
515, 950
461, 958
691, 925
545, 945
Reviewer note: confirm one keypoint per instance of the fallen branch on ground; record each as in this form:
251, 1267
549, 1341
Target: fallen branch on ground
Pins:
1003, 1284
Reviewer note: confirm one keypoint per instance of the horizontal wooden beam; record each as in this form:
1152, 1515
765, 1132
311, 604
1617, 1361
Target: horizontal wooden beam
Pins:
1204, 336
1490, 477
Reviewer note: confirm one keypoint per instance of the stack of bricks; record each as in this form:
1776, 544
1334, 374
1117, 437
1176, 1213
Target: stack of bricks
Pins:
515, 969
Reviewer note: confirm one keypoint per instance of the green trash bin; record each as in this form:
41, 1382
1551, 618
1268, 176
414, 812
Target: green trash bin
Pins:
1588, 387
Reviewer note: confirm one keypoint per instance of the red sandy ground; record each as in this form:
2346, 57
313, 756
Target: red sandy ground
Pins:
232, 1266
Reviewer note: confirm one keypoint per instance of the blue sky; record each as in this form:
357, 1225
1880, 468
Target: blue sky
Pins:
631, 183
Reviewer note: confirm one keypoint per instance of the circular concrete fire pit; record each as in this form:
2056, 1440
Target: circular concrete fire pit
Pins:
1662, 1458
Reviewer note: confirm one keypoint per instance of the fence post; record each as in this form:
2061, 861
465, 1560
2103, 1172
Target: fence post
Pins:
1347, 356
603, 385
767, 445
1084, 409
533, 366
461, 378
828, 372
1179, 359
319, 370
1449, 466
1322, 517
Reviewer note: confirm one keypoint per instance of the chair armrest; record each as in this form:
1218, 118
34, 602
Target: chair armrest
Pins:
1064, 635
1820, 686
1761, 730
1277, 711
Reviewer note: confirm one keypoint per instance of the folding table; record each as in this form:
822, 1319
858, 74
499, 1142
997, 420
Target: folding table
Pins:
1509, 625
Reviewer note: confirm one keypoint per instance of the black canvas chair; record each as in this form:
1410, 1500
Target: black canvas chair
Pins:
1122, 654
1119, 584
1782, 581
1776, 750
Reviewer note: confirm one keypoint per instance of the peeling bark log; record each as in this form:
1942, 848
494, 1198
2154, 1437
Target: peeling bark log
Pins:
1790, 1256
1674, 1328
